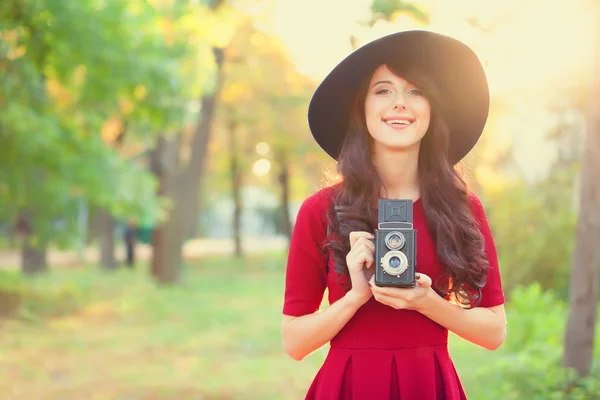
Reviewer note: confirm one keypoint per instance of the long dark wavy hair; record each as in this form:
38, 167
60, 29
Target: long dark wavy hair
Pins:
444, 196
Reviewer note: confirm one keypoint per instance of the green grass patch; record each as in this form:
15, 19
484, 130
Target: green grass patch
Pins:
88, 333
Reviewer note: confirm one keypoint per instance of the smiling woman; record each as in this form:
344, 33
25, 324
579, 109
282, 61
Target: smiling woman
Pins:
397, 115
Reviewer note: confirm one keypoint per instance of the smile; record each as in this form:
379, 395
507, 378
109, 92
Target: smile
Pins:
398, 123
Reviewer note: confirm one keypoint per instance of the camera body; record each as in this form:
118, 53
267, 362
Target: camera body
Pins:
395, 244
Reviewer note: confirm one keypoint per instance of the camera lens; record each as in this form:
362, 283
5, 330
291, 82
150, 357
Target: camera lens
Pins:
394, 262
394, 240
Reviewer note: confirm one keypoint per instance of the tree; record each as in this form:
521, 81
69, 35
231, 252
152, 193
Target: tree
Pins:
178, 180
267, 103
64, 72
583, 292
389, 11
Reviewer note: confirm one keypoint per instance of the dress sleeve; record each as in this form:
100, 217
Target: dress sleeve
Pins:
492, 294
305, 279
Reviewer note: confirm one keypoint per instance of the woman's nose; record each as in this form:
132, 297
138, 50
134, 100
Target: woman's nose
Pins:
399, 103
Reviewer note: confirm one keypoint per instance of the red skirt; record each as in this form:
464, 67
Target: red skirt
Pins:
421, 373
387, 354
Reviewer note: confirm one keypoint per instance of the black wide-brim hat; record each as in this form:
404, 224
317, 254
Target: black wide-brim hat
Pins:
454, 67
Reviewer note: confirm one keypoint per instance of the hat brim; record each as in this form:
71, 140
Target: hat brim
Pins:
454, 67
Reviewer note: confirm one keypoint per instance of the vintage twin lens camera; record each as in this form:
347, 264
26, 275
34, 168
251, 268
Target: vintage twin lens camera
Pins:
395, 244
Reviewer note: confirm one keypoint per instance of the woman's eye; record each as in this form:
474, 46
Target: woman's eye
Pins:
415, 92
383, 91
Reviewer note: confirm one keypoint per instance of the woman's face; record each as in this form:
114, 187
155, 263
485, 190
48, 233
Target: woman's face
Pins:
396, 112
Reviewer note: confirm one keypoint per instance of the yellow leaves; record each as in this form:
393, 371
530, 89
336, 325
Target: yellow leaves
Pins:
111, 129
234, 92
140, 92
61, 96
125, 106
60, 93
11, 37
257, 39
15, 53
167, 29
214, 27
161, 4
79, 75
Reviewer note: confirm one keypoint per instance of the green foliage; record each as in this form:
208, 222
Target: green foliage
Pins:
529, 364
533, 228
386, 9
33, 301
65, 69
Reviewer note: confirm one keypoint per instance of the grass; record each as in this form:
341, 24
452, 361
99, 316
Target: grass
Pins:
84, 333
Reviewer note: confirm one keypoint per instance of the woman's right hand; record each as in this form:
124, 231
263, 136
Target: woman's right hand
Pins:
360, 260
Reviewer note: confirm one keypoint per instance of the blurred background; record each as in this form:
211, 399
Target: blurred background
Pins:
154, 153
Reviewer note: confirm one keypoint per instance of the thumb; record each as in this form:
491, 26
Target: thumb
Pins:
423, 280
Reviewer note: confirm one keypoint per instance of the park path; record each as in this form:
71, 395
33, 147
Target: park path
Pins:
193, 249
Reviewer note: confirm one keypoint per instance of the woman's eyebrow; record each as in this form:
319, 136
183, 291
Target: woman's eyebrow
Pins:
378, 82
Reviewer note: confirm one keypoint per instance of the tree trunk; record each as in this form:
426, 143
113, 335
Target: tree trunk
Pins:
106, 235
284, 185
33, 252
195, 169
33, 258
82, 230
181, 186
583, 292
167, 240
236, 186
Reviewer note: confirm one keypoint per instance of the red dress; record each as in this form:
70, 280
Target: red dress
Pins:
381, 353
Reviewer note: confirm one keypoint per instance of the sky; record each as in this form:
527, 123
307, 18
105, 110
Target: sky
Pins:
535, 46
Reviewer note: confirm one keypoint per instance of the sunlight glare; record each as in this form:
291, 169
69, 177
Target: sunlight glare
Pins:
261, 167
262, 148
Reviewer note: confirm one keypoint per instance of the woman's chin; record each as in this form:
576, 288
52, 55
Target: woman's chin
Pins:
398, 146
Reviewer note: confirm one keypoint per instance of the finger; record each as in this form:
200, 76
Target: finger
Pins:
392, 292
366, 243
423, 280
372, 282
368, 259
354, 236
364, 258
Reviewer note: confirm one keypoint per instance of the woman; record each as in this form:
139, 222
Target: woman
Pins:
397, 114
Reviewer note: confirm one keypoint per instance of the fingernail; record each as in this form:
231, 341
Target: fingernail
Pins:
417, 276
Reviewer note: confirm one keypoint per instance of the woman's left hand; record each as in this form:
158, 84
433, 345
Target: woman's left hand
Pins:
404, 298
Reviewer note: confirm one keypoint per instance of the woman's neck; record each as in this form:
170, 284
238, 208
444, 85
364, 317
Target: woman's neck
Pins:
399, 174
